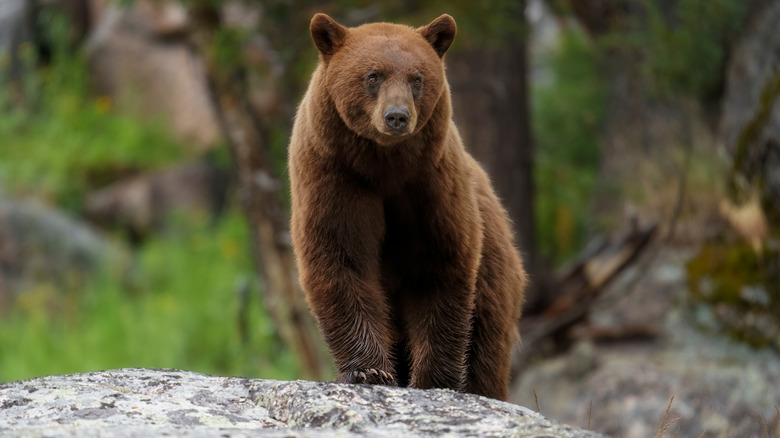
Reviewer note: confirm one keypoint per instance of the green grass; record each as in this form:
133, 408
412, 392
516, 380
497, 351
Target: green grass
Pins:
61, 142
57, 139
176, 304
179, 310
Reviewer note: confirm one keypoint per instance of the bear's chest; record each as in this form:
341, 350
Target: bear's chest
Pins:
409, 242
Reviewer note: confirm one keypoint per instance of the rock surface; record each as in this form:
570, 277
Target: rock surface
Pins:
13, 27
750, 123
142, 402
14, 31
42, 245
721, 388
138, 57
143, 203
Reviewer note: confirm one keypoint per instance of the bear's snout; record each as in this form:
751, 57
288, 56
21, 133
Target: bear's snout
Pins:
393, 119
396, 118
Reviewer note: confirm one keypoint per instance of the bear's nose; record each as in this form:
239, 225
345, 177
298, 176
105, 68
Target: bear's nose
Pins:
396, 118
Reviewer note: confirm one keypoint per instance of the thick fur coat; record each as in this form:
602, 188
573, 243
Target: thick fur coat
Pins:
405, 253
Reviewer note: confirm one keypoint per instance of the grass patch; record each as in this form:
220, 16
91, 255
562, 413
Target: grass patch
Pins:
177, 304
179, 309
58, 141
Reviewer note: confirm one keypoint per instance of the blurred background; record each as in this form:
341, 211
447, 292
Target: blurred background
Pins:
144, 202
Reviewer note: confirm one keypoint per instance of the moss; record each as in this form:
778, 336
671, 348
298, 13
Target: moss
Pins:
740, 289
753, 128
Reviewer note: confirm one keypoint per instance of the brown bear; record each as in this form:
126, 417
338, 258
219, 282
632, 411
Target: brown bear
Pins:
405, 253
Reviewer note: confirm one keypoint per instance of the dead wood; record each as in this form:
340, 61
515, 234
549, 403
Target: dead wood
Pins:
259, 195
577, 290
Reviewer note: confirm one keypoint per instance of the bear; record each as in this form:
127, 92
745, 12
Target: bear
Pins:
404, 252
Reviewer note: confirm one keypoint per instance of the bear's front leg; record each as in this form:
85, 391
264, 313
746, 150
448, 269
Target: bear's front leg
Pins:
438, 310
438, 332
337, 238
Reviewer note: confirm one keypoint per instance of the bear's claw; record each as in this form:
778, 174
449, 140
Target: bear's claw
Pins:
371, 376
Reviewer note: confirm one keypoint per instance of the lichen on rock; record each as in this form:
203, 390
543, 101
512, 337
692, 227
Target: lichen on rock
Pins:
139, 402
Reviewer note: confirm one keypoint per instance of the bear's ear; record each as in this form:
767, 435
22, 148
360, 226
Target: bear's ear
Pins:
328, 35
440, 33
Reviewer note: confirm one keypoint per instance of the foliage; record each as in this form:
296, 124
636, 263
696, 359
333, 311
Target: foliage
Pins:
679, 52
60, 141
227, 47
567, 112
744, 176
178, 304
684, 55
736, 289
180, 311
480, 24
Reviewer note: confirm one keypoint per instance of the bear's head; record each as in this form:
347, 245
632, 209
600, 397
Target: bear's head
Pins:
385, 79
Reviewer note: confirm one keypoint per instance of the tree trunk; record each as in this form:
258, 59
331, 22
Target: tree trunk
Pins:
490, 96
259, 197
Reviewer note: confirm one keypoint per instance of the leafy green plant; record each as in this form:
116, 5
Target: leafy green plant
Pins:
62, 141
180, 309
734, 288
684, 54
188, 300
567, 111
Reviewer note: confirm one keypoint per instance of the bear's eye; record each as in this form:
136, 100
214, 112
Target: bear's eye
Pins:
417, 82
372, 83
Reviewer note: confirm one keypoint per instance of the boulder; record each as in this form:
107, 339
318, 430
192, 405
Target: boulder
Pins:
622, 386
147, 403
142, 203
15, 29
750, 123
139, 57
42, 244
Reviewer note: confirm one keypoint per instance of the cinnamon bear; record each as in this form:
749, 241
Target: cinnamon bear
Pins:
404, 251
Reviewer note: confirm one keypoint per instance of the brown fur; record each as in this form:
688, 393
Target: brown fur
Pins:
404, 251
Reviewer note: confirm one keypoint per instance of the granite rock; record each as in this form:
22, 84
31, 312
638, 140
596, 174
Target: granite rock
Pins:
144, 402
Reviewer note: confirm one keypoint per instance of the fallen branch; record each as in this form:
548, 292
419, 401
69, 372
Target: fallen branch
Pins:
578, 289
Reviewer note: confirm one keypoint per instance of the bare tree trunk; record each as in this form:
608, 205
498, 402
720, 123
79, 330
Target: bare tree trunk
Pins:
259, 196
490, 95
